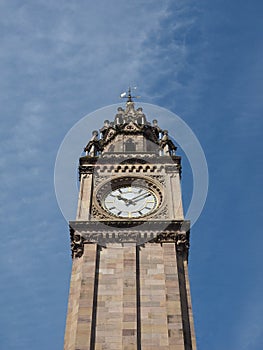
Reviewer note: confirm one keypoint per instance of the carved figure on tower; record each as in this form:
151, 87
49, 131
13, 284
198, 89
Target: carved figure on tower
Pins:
93, 147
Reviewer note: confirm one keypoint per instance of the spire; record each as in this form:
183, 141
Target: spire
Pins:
129, 122
128, 95
129, 103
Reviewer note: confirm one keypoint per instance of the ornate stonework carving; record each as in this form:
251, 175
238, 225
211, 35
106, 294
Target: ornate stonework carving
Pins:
163, 213
130, 122
89, 169
77, 245
104, 232
123, 167
132, 127
173, 168
111, 132
165, 236
159, 178
122, 156
109, 172
98, 214
98, 179
126, 168
182, 242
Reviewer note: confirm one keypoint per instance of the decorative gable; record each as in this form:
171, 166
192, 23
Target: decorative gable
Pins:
109, 134
131, 127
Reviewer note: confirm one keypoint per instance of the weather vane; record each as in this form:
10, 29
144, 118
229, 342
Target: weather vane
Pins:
128, 94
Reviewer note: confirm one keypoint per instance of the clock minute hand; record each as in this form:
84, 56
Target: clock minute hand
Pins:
141, 196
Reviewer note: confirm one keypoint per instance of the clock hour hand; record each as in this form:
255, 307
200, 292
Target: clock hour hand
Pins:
120, 198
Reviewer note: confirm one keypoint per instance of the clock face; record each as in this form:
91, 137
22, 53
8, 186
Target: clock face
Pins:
130, 201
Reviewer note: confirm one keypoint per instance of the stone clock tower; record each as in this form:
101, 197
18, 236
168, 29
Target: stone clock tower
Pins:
129, 286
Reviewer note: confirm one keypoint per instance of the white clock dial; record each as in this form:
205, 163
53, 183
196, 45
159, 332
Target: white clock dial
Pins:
130, 201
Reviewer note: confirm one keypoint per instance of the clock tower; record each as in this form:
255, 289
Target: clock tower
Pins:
129, 286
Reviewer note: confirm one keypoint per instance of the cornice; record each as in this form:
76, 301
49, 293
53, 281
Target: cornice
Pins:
137, 232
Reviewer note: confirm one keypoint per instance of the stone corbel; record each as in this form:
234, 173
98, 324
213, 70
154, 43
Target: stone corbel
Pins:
182, 244
77, 245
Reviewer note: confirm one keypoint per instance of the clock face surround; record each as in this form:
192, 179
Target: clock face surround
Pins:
129, 198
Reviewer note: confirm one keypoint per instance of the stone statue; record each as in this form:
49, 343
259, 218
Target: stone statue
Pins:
164, 143
157, 130
93, 147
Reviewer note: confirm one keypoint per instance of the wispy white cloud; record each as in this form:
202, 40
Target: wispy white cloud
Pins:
21, 144
145, 44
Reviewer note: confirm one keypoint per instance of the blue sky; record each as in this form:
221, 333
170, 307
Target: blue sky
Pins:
60, 60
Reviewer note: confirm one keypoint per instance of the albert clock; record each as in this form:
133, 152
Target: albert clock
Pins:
129, 285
